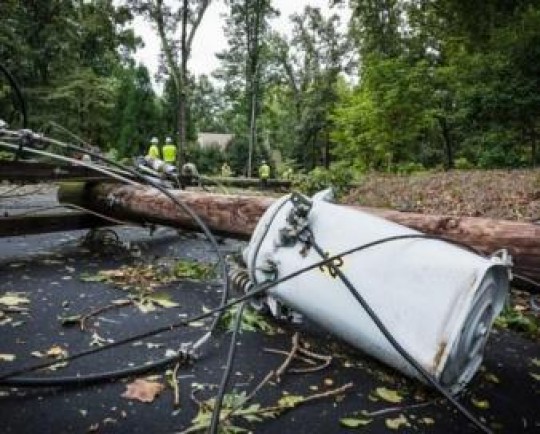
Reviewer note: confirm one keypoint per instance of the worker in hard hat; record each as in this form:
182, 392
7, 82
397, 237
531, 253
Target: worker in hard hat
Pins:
153, 150
264, 173
169, 152
226, 171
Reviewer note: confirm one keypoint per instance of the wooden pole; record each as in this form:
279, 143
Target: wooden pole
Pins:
53, 222
237, 216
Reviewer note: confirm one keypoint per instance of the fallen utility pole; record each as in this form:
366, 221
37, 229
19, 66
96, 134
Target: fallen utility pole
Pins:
236, 216
274, 184
34, 171
15, 225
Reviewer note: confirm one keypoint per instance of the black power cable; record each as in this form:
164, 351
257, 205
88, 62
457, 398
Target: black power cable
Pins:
257, 290
218, 402
395, 344
187, 209
81, 380
176, 201
379, 324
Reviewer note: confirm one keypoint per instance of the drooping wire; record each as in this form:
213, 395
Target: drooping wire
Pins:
218, 401
186, 208
353, 291
182, 205
257, 290
395, 344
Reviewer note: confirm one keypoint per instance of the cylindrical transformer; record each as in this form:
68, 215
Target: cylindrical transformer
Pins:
438, 300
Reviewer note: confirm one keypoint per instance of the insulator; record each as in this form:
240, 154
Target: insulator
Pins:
240, 279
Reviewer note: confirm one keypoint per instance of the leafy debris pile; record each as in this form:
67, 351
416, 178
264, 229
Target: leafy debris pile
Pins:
147, 277
498, 194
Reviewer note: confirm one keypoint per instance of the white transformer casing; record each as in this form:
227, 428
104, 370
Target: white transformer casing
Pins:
437, 300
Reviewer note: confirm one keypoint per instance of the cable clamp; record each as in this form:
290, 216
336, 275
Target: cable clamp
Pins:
297, 221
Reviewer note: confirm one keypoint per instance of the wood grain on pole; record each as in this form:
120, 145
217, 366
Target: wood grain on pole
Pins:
237, 216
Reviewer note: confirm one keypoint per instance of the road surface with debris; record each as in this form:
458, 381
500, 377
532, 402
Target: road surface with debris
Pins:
53, 273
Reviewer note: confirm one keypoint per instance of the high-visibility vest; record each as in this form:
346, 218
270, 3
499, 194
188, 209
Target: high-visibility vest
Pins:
264, 171
225, 171
169, 153
153, 151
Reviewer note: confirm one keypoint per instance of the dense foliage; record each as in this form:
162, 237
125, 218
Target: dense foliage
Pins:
406, 85
459, 85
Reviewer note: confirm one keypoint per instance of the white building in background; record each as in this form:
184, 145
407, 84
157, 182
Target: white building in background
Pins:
214, 140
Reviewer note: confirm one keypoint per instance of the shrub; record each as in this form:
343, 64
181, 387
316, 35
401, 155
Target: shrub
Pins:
337, 177
408, 168
462, 163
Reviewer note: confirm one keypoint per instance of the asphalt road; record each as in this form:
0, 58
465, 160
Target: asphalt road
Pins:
47, 270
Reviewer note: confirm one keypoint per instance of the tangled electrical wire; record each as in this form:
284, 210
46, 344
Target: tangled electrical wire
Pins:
23, 140
28, 141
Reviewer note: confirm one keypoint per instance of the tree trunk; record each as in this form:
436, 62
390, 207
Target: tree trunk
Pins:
448, 147
237, 216
182, 95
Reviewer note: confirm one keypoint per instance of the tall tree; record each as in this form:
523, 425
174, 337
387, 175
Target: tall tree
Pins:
247, 26
310, 63
64, 54
176, 50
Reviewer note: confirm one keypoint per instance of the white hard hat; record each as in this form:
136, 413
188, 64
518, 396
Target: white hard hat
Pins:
154, 140
168, 140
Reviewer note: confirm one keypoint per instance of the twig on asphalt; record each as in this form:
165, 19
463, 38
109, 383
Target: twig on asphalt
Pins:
289, 358
296, 356
102, 309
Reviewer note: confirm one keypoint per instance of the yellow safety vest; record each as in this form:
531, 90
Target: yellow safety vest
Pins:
225, 171
153, 151
264, 171
169, 154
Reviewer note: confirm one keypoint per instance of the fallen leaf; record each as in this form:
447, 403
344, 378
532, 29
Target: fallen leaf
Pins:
145, 306
121, 301
162, 299
353, 422
290, 400
13, 299
56, 351
85, 277
427, 420
397, 422
388, 395
535, 376
492, 378
142, 390
196, 324
536, 362
7, 357
328, 382
57, 366
480, 403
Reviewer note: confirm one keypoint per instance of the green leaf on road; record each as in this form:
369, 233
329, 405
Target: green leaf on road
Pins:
353, 422
388, 395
